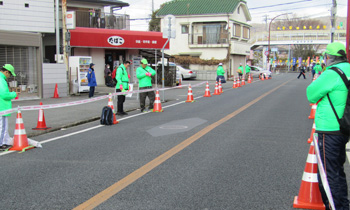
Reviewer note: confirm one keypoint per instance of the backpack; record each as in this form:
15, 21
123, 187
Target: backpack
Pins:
114, 74
107, 116
344, 122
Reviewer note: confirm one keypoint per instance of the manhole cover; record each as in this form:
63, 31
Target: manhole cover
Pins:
174, 127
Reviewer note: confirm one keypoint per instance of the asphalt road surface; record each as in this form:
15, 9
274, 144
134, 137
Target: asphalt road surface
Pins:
244, 149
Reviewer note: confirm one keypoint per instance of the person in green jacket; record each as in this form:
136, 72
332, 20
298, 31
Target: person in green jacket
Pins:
318, 69
240, 71
220, 74
330, 140
122, 85
144, 74
247, 70
5, 103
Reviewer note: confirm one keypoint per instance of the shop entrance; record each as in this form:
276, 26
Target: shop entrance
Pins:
114, 58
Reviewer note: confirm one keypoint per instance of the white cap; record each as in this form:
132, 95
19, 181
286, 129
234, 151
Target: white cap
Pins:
240, 64
220, 64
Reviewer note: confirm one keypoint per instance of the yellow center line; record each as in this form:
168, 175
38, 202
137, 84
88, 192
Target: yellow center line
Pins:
126, 181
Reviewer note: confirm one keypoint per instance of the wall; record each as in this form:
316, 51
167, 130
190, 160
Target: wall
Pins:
37, 17
54, 74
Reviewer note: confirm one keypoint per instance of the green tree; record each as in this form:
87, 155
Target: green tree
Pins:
154, 24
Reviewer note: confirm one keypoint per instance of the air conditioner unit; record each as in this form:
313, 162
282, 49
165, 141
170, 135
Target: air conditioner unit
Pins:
59, 58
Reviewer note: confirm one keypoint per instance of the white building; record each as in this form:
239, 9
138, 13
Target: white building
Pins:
210, 29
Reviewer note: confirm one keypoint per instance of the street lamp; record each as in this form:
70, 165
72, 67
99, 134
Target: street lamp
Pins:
268, 48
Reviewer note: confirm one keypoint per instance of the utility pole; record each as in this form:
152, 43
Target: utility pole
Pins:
333, 19
152, 6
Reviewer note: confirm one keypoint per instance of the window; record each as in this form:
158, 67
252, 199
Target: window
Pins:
237, 30
184, 29
238, 10
1, 3
26, 5
246, 32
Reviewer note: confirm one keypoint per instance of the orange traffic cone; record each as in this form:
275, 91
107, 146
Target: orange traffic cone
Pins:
110, 104
313, 111
243, 81
41, 125
20, 140
220, 86
262, 77
207, 91
238, 83
309, 196
55, 94
157, 107
190, 94
312, 133
180, 85
234, 83
217, 92
249, 79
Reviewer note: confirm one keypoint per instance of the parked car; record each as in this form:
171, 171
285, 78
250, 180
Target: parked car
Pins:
256, 71
178, 77
185, 73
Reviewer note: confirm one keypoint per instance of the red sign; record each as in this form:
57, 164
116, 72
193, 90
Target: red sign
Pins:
112, 38
266, 53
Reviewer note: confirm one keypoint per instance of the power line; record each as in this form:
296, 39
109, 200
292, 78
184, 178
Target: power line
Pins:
275, 5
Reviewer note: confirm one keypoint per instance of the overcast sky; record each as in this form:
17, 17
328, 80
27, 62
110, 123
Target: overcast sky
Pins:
142, 9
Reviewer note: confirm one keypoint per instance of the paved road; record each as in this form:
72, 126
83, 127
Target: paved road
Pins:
244, 149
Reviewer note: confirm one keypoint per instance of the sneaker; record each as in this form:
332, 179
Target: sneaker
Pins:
142, 109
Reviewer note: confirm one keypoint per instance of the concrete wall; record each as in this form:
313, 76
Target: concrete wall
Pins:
54, 74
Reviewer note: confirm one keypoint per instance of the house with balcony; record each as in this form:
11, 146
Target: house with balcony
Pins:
210, 30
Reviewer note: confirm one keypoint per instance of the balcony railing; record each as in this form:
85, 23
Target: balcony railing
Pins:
208, 39
102, 20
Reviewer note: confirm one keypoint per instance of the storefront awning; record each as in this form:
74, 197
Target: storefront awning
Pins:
118, 39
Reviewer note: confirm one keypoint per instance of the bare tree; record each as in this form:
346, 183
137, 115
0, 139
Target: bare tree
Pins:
304, 50
297, 22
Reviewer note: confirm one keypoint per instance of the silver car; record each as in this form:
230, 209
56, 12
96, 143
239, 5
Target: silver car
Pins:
186, 73
256, 71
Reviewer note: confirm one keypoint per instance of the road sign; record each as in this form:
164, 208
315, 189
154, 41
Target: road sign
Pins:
169, 27
266, 53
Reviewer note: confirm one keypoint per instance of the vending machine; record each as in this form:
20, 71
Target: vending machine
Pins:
79, 66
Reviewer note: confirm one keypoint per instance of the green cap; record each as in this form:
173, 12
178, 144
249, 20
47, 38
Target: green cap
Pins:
10, 68
334, 48
144, 61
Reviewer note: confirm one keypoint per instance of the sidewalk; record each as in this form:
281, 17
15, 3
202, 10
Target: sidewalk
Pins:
59, 118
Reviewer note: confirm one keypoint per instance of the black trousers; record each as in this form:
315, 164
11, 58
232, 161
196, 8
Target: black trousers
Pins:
301, 74
333, 156
151, 97
92, 91
121, 100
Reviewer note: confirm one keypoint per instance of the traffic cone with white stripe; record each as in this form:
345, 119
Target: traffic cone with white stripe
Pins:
313, 111
312, 133
20, 140
41, 125
110, 104
238, 83
207, 91
234, 83
243, 81
309, 196
220, 86
217, 92
157, 107
249, 79
262, 77
190, 94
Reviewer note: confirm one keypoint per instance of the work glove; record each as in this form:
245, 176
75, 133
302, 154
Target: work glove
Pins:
129, 76
121, 87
